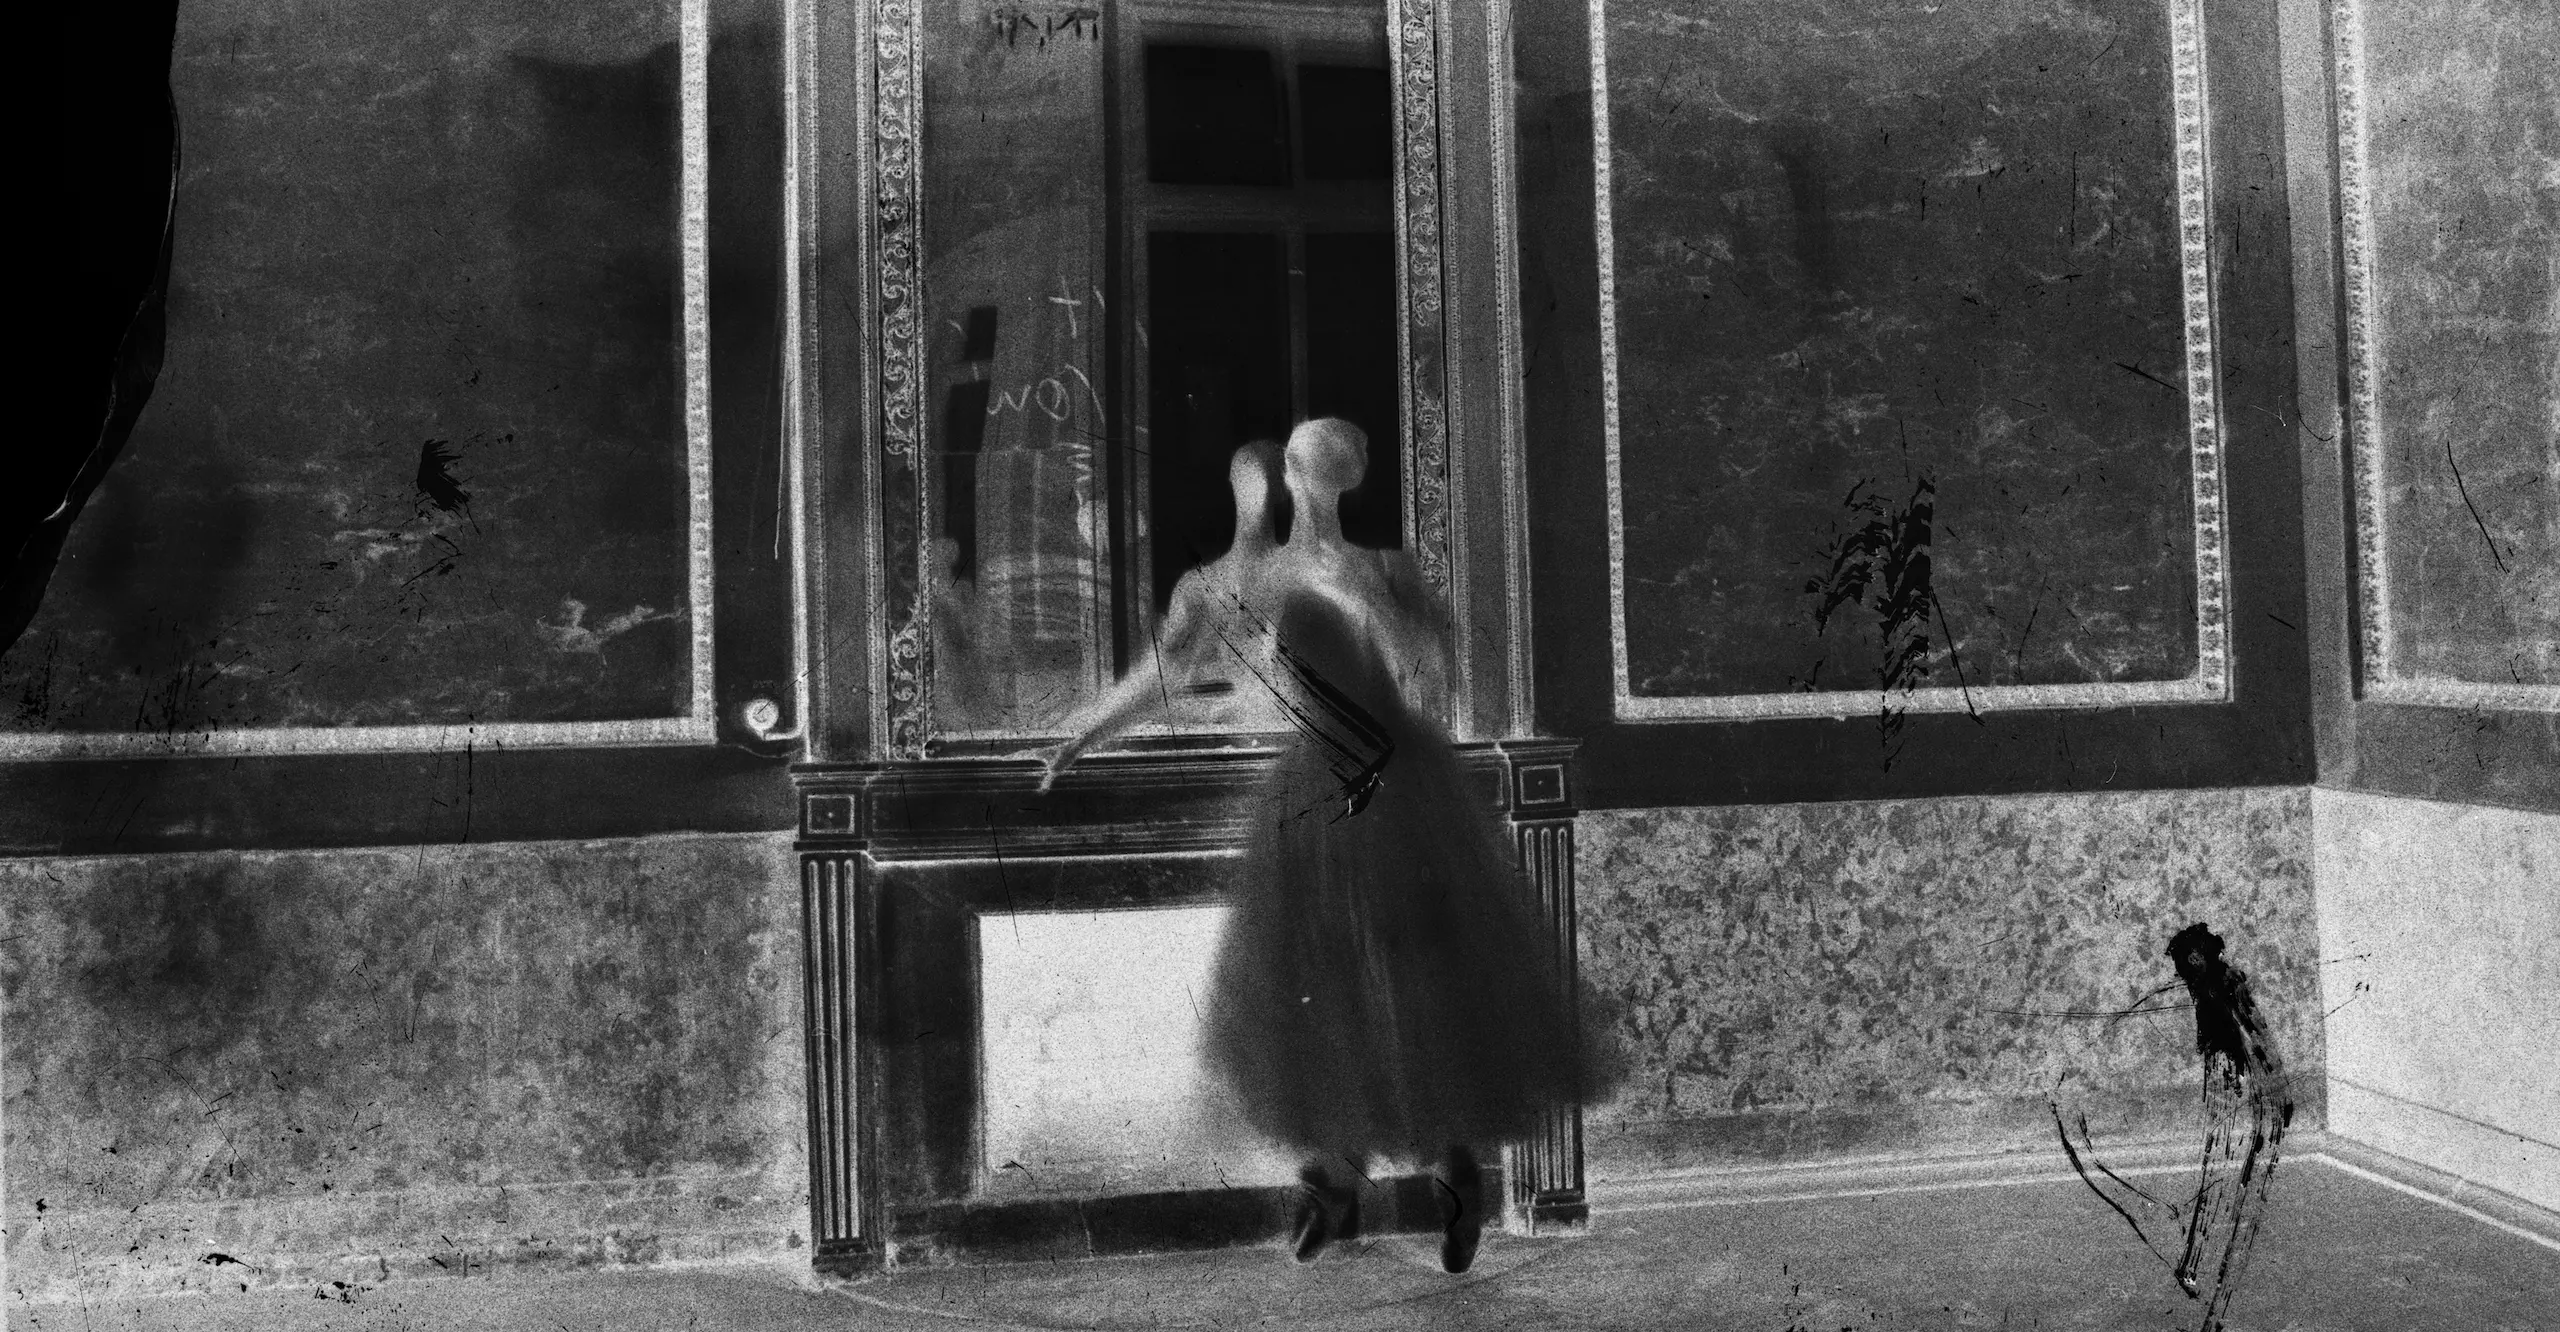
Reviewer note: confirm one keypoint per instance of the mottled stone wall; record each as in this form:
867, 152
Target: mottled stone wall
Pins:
1806, 980
357, 1063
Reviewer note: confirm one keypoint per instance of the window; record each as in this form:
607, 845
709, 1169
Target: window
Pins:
1147, 242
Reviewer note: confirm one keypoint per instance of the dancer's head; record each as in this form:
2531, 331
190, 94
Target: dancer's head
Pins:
1327, 456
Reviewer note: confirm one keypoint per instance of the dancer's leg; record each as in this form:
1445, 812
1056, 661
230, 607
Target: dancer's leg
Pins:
1346, 1220
1315, 1221
1463, 1198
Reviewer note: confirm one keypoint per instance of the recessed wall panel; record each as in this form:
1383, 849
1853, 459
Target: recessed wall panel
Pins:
2450, 168
429, 448
1908, 317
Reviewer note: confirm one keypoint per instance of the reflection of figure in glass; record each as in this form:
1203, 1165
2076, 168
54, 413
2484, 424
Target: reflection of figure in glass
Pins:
1387, 989
1189, 666
958, 620
2248, 1104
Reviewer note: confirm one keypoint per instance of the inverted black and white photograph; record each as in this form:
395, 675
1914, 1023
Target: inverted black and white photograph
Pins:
1346, 665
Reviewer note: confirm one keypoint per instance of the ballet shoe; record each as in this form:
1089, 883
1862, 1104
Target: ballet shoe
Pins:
1465, 1229
1315, 1216
1312, 1230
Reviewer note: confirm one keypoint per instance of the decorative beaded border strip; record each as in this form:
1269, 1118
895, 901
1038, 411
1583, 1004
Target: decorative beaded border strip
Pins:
899, 79
1413, 42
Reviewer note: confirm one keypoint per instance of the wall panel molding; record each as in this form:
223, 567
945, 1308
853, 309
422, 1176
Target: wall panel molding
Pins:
2382, 432
2210, 679
697, 722
1866, 742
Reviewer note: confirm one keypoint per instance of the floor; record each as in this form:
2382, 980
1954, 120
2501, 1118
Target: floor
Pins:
2340, 1251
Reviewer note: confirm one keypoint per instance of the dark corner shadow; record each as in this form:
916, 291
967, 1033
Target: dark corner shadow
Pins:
117, 150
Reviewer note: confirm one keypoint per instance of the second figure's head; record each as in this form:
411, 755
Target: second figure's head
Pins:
1262, 496
1253, 473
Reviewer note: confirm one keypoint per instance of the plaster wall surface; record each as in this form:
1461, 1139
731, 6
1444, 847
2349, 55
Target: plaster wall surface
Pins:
588, 1052
1900, 976
237, 1067
2444, 1007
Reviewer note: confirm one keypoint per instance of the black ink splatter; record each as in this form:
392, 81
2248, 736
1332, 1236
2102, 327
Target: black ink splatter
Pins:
2139, 373
2248, 1104
1884, 565
2476, 520
436, 485
1361, 745
1016, 24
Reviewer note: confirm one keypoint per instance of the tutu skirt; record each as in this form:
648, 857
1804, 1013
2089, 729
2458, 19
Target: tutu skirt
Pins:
1388, 985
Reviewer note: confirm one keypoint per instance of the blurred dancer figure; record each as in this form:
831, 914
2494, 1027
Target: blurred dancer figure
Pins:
2248, 1105
1327, 458
1387, 990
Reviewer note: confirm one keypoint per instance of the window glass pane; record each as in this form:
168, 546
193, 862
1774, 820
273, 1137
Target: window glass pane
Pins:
1015, 233
1344, 123
1351, 367
1214, 117
1125, 279
1218, 320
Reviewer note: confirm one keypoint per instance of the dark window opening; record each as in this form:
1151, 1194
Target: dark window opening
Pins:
1219, 377
1351, 369
1254, 309
1214, 117
1345, 122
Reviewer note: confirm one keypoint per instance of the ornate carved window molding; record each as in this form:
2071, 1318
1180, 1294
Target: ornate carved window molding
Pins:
899, 598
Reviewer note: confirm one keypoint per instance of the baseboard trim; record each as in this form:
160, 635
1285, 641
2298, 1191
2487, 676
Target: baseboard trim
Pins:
2478, 1201
1619, 1148
1069, 1229
1167, 1224
1860, 1177
2453, 1144
364, 1239
1865, 1176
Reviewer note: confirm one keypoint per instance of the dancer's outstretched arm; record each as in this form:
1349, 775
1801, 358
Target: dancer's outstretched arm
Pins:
1133, 695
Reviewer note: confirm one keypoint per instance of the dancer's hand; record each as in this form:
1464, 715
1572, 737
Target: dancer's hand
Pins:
1055, 759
